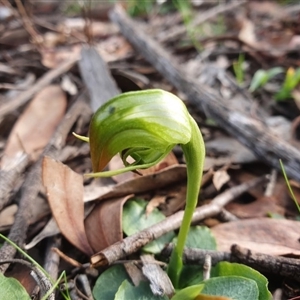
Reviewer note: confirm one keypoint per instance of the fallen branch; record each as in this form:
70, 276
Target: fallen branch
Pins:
276, 265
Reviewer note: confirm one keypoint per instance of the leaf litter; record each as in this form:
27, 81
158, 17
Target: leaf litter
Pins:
88, 213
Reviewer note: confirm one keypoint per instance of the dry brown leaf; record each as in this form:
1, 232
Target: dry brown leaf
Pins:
64, 190
97, 28
175, 200
247, 33
117, 163
169, 160
256, 209
36, 125
220, 177
22, 274
7, 216
154, 203
52, 58
114, 48
135, 273
141, 184
264, 235
103, 225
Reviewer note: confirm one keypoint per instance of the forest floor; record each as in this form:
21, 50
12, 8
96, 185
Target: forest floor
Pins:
236, 66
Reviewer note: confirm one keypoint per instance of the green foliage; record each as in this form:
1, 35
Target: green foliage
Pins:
115, 284
200, 237
189, 293
135, 219
65, 294
109, 282
186, 11
190, 275
234, 287
11, 288
289, 186
235, 269
141, 292
292, 79
238, 68
261, 77
140, 7
72, 8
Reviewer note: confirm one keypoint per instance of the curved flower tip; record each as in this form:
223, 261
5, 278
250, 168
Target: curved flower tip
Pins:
81, 137
145, 125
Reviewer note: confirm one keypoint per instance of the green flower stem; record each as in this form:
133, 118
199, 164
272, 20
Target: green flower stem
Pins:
194, 153
145, 126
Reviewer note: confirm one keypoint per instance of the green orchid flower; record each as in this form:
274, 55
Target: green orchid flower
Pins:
146, 125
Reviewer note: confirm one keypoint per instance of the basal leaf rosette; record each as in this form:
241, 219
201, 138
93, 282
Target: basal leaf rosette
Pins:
145, 125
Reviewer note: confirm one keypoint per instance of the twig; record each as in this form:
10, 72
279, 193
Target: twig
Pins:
9, 177
96, 77
283, 266
160, 283
227, 216
197, 256
202, 18
134, 242
272, 183
84, 282
277, 265
206, 267
52, 259
66, 258
28, 25
45, 80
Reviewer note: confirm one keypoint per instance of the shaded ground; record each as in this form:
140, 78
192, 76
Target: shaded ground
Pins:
236, 65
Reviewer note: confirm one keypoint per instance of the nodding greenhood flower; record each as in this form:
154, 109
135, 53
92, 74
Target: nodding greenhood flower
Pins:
146, 125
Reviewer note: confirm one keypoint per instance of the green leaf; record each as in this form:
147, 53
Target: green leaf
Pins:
200, 237
11, 288
274, 71
234, 287
127, 291
226, 269
190, 275
109, 282
189, 293
135, 220
259, 79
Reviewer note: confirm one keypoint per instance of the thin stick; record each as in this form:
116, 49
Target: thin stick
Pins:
202, 18
45, 80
